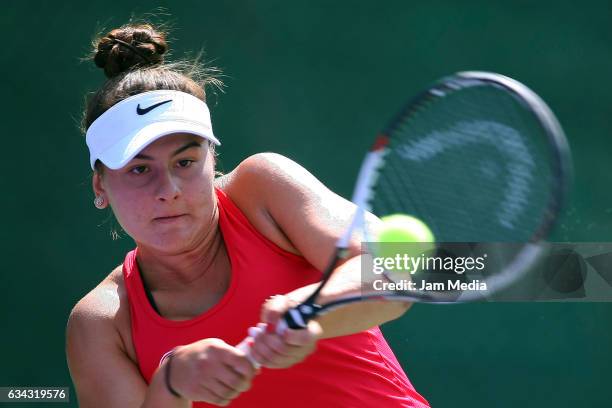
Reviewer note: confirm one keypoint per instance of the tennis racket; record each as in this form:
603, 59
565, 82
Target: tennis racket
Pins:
482, 160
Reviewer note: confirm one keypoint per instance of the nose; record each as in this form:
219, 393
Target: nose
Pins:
168, 187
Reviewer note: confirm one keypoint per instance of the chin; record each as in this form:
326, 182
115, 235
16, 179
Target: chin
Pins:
170, 242
165, 247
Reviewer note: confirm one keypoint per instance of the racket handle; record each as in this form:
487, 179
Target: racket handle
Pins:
254, 332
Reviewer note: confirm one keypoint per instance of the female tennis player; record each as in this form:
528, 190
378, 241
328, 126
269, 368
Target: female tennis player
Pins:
210, 256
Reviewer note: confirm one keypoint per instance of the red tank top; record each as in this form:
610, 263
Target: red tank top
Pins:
358, 370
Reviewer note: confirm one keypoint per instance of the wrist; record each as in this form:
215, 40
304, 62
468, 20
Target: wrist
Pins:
166, 361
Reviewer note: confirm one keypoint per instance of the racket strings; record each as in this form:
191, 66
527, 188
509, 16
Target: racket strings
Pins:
468, 171
395, 194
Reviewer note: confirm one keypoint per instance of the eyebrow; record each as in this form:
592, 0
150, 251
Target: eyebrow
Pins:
177, 151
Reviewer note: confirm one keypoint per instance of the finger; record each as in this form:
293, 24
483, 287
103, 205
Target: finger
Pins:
240, 362
219, 389
273, 352
284, 349
262, 353
207, 394
234, 380
269, 358
275, 307
276, 362
276, 343
303, 337
272, 346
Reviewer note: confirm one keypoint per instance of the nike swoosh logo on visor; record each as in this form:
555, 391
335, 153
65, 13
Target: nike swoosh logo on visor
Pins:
142, 111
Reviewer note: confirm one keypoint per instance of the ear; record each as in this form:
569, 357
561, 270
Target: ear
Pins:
98, 186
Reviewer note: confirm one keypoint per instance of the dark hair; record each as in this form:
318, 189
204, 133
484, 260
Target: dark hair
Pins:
132, 58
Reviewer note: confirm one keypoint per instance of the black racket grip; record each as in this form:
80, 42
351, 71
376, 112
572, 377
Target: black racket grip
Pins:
299, 316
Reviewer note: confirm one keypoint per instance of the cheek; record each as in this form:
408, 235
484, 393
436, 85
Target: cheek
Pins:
198, 192
129, 210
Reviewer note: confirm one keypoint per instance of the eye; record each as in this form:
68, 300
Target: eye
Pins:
185, 163
139, 169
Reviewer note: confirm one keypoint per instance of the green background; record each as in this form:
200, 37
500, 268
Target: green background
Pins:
314, 81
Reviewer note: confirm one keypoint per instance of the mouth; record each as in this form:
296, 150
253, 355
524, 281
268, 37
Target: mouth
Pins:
169, 218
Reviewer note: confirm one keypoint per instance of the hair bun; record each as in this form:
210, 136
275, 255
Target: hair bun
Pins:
130, 46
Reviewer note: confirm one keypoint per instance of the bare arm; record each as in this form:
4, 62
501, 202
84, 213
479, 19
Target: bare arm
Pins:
104, 376
352, 318
312, 218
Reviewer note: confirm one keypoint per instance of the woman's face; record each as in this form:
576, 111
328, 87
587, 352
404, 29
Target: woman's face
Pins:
164, 197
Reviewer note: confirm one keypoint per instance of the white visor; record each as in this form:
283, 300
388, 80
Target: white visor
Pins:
129, 126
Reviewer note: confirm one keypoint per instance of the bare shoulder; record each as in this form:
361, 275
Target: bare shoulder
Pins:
261, 166
263, 173
98, 346
101, 303
289, 205
101, 315
257, 168
247, 186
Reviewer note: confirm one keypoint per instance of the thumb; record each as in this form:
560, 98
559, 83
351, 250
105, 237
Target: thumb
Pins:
275, 307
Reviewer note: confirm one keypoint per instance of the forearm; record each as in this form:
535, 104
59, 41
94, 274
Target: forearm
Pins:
354, 317
158, 395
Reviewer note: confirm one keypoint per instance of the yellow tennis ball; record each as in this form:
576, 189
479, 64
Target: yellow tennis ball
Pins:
402, 236
404, 228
